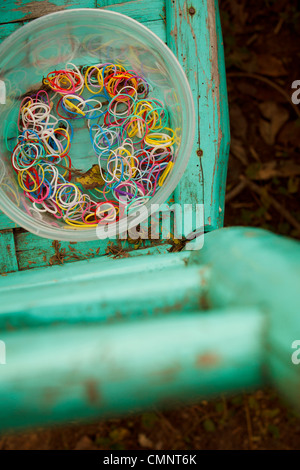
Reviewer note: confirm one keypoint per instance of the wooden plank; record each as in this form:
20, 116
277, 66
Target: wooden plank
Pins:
8, 259
8, 28
95, 269
15, 10
34, 251
191, 34
185, 38
6, 223
86, 371
156, 23
157, 27
86, 299
140, 10
221, 173
108, 3
255, 267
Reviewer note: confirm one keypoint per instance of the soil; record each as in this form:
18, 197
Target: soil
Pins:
245, 421
263, 59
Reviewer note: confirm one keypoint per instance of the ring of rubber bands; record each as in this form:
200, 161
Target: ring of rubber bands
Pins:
129, 132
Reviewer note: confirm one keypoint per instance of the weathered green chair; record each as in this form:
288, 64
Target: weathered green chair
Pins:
102, 336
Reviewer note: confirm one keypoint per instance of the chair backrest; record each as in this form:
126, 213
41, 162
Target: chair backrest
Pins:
193, 33
63, 357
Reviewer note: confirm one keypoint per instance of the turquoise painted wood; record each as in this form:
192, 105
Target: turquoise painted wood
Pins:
265, 273
8, 260
5, 222
230, 329
85, 371
15, 11
104, 336
110, 292
198, 46
194, 35
7, 28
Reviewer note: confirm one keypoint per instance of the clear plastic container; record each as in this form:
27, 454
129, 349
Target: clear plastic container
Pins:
85, 36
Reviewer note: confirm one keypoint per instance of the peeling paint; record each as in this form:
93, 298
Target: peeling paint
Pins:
91, 390
207, 360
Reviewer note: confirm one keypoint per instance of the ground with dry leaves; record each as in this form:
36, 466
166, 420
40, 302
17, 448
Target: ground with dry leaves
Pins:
263, 58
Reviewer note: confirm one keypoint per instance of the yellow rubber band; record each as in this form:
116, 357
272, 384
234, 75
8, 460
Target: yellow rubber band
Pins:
165, 173
73, 106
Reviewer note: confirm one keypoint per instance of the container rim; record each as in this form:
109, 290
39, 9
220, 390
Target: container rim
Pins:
38, 227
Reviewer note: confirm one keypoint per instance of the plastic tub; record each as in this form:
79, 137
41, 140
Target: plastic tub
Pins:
85, 36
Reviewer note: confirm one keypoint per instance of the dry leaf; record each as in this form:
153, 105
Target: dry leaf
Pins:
247, 88
254, 154
238, 150
275, 116
240, 14
269, 108
269, 65
238, 121
265, 171
119, 434
85, 443
91, 179
265, 130
293, 185
290, 134
264, 64
273, 169
144, 441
